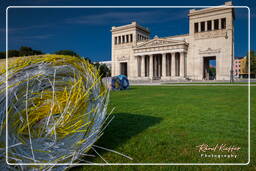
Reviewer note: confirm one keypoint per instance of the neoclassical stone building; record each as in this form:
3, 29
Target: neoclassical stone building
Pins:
210, 37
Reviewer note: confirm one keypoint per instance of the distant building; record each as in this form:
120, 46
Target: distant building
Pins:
186, 56
237, 66
243, 68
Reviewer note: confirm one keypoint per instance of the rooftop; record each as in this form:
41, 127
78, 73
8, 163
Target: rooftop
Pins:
134, 24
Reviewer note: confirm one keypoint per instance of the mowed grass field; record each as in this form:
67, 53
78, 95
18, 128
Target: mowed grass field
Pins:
162, 124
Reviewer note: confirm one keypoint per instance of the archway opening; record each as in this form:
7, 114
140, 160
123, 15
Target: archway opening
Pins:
209, 68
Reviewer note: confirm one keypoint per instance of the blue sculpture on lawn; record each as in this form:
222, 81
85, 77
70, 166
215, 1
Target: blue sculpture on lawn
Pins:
119, 82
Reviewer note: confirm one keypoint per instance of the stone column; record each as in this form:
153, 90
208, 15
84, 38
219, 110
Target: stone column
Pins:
143, 66
164, 65
125, 41
173, 65
181, 64
137, 66
151, 66
212, 24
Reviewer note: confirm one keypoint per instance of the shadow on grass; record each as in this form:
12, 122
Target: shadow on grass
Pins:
123, 127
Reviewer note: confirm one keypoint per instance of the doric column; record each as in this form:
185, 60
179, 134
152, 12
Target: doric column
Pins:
125, 41
212, 24
150, 66
137, 66
143, 66
164, 64
182, 64
173, 65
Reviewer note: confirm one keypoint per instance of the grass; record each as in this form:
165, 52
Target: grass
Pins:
210, 83
161, 124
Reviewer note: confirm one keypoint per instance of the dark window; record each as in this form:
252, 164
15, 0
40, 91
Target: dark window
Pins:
119, 39
223, 23
131, 37
127, 38
123, 39
216, 24
209, 25
202, 26
196, 27
115, 40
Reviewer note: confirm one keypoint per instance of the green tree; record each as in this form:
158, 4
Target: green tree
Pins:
13, 53
37, 52
252, 62
27, 51
103, 69
2, 55
67, 52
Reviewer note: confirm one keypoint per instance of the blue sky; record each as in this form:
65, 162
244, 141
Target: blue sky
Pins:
87, 31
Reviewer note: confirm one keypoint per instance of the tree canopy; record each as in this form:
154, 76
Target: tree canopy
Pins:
67, 52
27, 51
23, 51
252, 61
103, 69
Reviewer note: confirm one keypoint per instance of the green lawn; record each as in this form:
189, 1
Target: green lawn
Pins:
211, 83
162, 124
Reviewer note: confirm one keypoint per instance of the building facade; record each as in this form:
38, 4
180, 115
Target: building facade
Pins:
243, 67
185, 56
237, 67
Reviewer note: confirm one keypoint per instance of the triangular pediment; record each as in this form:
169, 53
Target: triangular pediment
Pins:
159, 42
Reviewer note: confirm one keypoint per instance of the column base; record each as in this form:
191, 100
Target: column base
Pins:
169, 78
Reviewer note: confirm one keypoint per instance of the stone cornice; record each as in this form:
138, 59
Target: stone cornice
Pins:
208, 10
209, 51
165, 48
159, 42
128, 26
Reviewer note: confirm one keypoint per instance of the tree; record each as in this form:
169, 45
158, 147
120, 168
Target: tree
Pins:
103, 69
2, 55
27, 51
23, 51
13, 53
37, 52
212, 73
252, 62
67, 52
